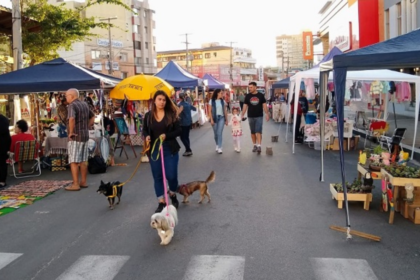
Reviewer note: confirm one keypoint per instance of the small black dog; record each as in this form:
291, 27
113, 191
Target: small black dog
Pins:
111, 190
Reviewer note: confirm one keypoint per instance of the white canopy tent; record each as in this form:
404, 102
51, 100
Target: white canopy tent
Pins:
365, 75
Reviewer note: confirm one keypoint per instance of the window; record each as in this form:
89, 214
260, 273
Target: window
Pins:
135, 12
215, 54
124, 75
137, 60
237, 53
95, 54
145, 30
182, 57
387, 33
198, 56
207, 55
147, 61
137, 45
123, 57
135, 28
146, 45
399, 19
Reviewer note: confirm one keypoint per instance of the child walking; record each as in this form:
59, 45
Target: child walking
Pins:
235, 122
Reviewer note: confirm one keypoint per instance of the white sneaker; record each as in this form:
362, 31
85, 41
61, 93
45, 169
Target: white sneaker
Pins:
238, 150
219, 151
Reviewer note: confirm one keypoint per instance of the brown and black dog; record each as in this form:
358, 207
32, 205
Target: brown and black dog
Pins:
187, 189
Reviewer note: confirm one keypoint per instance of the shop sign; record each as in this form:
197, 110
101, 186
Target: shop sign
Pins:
105, 43
115, 66
308, 47
261, 74
97, 66
340, 37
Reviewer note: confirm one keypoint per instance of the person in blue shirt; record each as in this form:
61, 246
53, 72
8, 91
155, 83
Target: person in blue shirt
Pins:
185, 121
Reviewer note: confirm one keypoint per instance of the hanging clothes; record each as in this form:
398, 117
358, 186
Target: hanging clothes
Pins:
330, 86
310, 88
376, 87
385, 87
403, 92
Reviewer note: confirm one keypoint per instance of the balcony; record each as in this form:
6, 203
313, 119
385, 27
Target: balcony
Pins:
244, 59
244, 71
137, 53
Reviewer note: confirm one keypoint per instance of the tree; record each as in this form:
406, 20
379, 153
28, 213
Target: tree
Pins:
56, 27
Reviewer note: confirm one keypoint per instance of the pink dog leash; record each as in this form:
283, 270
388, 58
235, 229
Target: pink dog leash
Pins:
165, 188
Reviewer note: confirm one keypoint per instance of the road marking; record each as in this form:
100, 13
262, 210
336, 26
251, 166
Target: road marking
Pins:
332, 269
6, 258
94, 267
215, 268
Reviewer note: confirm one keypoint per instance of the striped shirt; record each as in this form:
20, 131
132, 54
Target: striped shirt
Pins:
80, 112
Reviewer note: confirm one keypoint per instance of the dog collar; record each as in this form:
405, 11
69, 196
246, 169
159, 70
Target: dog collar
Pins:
186, 189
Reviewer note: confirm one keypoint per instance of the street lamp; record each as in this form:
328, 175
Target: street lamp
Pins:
110, 70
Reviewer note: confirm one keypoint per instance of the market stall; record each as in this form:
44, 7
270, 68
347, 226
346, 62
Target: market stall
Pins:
399, 52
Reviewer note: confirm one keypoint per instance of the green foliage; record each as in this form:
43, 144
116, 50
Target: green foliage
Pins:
56, 27
378, 150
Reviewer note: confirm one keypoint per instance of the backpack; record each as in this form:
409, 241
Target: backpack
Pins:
96, 165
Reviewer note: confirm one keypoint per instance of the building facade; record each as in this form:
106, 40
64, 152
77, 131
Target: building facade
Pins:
230, 65
289, 51
350, 24
400, 17
132, 50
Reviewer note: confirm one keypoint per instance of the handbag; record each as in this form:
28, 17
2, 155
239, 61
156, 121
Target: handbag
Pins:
96, 165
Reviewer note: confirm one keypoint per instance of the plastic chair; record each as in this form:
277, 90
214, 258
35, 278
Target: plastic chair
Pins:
390, 141
26, 151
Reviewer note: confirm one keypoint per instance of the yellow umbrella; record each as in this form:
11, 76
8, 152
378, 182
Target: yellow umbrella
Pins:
140, 87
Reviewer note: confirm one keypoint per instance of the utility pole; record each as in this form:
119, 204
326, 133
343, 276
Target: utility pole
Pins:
186, 49
17, 35
231, 63
110, 58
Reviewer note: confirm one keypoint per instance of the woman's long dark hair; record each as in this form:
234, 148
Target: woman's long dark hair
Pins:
170, 108
215, 94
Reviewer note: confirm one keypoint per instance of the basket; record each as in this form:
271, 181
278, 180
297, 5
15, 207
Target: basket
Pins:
375, 168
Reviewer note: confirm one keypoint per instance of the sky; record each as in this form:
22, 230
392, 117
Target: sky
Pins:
250, 24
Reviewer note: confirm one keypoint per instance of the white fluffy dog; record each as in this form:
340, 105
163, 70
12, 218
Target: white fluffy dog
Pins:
165, 224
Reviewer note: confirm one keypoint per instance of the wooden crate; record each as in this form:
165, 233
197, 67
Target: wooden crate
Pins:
365, 197
400, 181
414, 213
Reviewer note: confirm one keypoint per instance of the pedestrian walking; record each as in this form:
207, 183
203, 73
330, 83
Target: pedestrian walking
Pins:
218, 117
256, 105
5, 141
236, 123
162, 123
80, 118
185, 122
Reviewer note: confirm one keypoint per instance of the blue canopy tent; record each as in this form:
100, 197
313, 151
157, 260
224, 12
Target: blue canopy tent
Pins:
282, 83
212, 82
54, 75
399, 52
177, 77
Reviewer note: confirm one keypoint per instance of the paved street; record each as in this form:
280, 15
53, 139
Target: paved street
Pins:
269, 219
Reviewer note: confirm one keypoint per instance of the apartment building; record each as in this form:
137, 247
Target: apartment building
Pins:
289, 51
231, 65
401, 17
132, 48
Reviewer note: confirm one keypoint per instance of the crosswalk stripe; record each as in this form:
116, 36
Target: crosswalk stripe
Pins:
6, 258
215, 267
94, 267
332, 269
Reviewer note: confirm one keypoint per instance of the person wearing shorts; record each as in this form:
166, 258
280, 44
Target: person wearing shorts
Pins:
256, 105
80, 118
